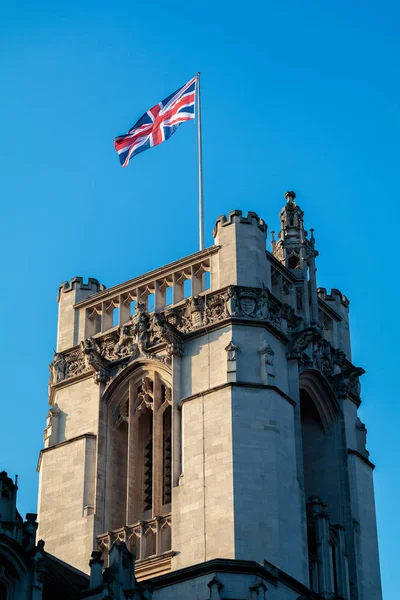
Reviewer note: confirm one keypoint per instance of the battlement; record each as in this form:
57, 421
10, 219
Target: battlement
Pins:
92, 285
236, 216
240, 247
335, 296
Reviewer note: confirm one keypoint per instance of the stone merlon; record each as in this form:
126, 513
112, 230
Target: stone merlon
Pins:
236, 216
92, 285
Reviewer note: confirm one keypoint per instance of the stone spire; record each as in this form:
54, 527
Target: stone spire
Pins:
292, 245
296, 251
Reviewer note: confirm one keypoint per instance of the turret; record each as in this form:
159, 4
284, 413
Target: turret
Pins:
297, 252
70, 330
241, 259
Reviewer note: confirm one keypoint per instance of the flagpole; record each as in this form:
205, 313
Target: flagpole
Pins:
200, 159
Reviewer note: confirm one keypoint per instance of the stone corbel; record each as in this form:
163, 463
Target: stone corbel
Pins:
215, 588
258, 590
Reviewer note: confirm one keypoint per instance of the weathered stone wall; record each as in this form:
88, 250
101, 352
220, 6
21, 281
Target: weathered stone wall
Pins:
66, 486
204, 363
79, 406
202, 504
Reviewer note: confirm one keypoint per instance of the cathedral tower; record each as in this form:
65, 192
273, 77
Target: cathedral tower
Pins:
205, 414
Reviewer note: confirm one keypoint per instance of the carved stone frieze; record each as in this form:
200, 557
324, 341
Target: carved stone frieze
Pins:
247, 302
314, 352
159, 335
107, 356
300, 340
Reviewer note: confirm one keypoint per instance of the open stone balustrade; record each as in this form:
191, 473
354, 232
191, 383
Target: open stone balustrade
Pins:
146, 539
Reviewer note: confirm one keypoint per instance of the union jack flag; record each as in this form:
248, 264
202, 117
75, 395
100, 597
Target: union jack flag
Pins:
158, 123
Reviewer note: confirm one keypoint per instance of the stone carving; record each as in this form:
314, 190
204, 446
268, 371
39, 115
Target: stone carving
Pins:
57, 368
258, 589
137, 337
95, 361
39, 566
159, 335
217, 308
215, 587
163, 331
120, 414
145, 397
248, 302
344, 381
314, 352
287, 313
126, 345
301, 340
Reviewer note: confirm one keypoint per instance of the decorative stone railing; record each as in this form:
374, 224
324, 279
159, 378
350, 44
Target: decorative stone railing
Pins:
159, 335
146, 333
164, 286
148, 538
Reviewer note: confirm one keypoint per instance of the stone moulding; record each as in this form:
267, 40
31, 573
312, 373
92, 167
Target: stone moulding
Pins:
160, 335
43, 451
266, 572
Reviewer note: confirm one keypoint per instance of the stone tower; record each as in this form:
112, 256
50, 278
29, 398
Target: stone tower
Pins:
205, 415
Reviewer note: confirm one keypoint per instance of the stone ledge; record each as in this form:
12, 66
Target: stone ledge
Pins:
361, 457
63, 443
240, 384
269, 573
154, 566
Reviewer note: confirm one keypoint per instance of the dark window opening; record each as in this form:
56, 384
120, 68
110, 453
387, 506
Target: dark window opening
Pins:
293, 262
167, 456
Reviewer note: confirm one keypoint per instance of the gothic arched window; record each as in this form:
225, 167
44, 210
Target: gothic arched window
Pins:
321, 445
139, 459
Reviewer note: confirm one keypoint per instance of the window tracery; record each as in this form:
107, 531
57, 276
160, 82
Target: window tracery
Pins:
139, 461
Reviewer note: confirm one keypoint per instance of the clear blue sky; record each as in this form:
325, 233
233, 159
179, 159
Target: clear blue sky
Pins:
296, 95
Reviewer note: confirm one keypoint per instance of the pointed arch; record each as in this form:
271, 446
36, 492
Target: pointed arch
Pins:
137, 407
14, 562
140, 364
324, 400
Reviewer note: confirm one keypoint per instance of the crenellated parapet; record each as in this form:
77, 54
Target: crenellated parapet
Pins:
340, 330
236, 217
93, 286
336, 297
241, 259
70, 326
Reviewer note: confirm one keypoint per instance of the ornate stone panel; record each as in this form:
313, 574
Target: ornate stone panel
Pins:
160, 335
